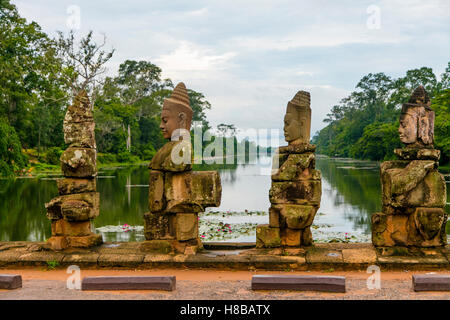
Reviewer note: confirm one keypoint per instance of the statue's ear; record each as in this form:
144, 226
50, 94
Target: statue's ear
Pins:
182, 120
426, 127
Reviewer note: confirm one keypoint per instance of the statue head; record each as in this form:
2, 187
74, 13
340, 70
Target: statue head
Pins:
417, 120
297, 121
176, 112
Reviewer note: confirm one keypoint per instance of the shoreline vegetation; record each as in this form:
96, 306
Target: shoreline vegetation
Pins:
36, 169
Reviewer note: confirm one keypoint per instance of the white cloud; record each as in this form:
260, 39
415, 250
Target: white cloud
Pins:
199, 12
191, 61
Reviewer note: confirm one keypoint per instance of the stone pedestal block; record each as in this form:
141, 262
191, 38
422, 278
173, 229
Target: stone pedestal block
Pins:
186, 226
159, 226
424, 228
296, 192
70, 185
156, 191
192, 191
267, 236
85, 241
189, 247
62, 227
64, 242
74, 207
79, 162
427, 227
291, 237
292, 216
389, 230
80, 134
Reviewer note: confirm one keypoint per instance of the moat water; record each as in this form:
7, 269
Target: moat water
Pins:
351, 192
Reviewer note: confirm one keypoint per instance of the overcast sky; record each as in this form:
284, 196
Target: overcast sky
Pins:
249, 58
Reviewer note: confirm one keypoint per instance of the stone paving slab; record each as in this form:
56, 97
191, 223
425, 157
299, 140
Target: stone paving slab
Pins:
363, 256
85, 258
120, 260
321, 256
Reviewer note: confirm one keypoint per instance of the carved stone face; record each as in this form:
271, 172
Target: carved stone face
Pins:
291, 129
408, 128
170, 121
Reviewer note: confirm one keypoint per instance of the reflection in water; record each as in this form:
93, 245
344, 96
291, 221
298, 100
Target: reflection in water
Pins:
351, 192
22, 212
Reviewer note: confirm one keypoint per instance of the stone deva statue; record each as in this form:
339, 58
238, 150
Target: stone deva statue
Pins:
72, 212
414, 192
296, 185
176, 193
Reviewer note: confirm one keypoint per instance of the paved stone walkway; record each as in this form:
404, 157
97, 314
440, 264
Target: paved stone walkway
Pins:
212, 285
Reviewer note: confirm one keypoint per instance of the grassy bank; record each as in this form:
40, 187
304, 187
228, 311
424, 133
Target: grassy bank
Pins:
47, 163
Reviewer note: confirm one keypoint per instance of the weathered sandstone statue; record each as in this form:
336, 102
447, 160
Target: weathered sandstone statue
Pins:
414, 192
296, 185
78, 203
177, 194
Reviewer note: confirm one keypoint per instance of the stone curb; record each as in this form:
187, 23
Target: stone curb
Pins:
322, 256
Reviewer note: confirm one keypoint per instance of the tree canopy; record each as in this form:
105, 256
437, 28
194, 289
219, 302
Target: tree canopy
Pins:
364, 125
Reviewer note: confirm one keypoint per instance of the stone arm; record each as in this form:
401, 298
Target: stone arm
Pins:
406, 179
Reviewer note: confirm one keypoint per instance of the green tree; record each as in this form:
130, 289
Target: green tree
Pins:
134, 98
11, 157
441, 106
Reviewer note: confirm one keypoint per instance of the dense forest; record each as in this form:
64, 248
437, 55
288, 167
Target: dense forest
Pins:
39, 77
364, 125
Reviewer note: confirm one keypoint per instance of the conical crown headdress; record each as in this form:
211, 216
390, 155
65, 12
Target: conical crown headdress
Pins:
420, 96
299, 104
179, 102
301, 99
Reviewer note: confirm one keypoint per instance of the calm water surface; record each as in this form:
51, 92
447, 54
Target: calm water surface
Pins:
351, 192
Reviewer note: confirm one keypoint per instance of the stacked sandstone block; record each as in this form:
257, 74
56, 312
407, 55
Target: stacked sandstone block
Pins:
414, 192
414, 197
295, 198
78, 202
176, 196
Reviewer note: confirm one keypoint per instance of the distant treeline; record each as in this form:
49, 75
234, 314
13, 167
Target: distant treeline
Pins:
364, 125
